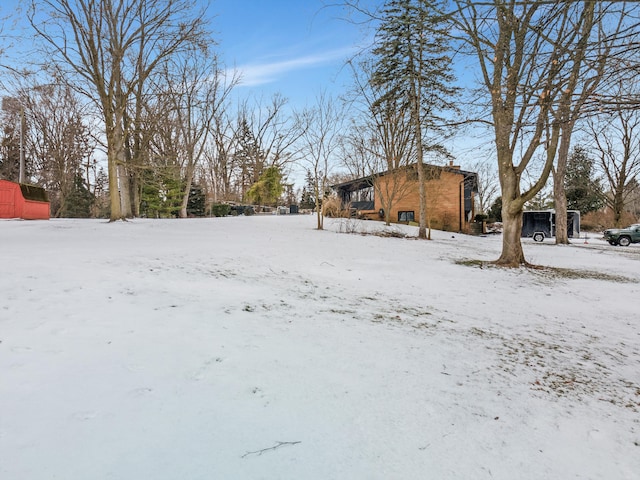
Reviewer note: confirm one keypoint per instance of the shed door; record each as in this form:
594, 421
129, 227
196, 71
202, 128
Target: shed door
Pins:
7, 202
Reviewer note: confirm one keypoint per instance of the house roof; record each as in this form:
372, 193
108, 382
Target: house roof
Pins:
366, 182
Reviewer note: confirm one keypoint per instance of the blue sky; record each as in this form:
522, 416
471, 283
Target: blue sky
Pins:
295, 47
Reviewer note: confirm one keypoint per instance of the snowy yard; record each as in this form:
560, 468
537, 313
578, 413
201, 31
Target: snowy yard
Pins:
260, 348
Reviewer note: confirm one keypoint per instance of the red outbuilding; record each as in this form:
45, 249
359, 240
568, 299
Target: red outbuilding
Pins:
18, 200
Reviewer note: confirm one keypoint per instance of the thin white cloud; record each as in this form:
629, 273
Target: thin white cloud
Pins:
255, 74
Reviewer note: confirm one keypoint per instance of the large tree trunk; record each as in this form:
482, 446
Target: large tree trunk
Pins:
319, 215
560, 198
512, 205
422, 188
618, 205
318, 205
136, 188
187, 190
115, 153
120, 150
512, 254
422, 229
559, 194
125, 188
185, 199
114, 194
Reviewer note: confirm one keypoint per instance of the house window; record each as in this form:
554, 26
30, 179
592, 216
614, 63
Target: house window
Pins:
406, 216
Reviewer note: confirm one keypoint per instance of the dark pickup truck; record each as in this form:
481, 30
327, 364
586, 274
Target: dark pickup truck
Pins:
623, 236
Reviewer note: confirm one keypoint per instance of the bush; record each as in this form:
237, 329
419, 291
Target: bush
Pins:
331, 208
603, 219
220, 209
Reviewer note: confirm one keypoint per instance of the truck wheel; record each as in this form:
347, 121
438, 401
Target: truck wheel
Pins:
624, 241
538, 237
612, 242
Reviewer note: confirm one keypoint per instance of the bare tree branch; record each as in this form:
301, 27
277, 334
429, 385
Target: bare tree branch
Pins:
268, 449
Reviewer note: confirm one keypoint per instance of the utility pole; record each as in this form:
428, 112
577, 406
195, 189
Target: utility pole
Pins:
21, 174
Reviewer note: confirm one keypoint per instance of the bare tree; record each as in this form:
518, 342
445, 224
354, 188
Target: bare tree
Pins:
110, 47
384, 142
268, 135
488, 184
3, 37
196, 88
616, 138
319, 141
521, 49
355, 151
8, 37
603, 40
219, 156
216, 168
60, 141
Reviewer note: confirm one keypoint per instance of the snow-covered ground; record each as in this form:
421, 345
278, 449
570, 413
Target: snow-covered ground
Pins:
260, 348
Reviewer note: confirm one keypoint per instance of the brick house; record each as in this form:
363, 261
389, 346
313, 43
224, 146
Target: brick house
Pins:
450, 196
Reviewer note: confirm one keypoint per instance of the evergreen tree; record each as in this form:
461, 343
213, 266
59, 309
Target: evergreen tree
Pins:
583, 191
495, 212
413, 68
249, 157
100, 193
268, 188
79, 200
196, 203
161, 194
307, 200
